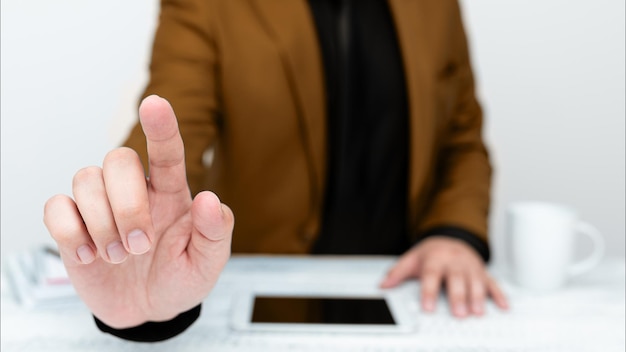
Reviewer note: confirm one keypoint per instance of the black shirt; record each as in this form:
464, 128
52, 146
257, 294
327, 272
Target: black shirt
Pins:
365, 205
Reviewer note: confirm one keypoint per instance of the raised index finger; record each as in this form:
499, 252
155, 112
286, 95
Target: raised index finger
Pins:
166, 152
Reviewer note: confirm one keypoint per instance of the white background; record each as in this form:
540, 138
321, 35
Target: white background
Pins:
550, 74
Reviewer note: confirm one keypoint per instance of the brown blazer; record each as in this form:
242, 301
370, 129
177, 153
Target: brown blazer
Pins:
245, 79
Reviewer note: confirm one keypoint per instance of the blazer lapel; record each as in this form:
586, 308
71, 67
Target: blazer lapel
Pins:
409, 18
290, 23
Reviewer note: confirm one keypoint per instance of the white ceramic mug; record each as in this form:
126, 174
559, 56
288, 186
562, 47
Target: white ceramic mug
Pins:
542, 238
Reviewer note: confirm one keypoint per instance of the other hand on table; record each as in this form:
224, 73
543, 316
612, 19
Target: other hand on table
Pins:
441, 261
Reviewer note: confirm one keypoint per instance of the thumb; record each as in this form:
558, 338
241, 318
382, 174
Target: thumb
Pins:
211, 235
405, 268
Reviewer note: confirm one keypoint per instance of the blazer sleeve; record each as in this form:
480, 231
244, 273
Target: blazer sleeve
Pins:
461, 196
183, 70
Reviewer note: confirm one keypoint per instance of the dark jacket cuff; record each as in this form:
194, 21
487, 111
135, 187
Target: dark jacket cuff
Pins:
481, 247
154, 331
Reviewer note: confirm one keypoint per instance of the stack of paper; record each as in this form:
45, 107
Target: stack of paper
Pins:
38, 278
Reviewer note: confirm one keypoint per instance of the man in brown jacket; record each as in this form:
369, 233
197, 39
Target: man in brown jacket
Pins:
327, 127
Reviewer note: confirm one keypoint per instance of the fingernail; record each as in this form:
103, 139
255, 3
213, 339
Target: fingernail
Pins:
460, 310
138, 242
85, 254
116, 252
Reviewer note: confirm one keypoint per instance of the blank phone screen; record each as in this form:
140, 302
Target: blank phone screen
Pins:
321, 310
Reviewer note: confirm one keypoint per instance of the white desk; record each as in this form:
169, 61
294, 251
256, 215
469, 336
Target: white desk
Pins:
587, 315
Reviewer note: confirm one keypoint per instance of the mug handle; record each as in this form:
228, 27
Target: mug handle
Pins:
594, 258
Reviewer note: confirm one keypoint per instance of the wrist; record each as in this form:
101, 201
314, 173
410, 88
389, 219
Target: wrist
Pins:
475, 242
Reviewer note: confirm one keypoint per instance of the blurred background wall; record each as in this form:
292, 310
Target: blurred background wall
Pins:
550, 75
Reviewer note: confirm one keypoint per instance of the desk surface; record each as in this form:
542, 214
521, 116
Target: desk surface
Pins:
586, 315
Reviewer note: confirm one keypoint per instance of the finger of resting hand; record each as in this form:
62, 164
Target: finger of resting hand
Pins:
127, 193
166, 152
66, 227
496, 294
93, 205
431, 279
456, 288
212, 232
477, 293
405, 268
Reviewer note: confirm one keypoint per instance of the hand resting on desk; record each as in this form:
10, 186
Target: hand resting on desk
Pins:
141, 249
442, 261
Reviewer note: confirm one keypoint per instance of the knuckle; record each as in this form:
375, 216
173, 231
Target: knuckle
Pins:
86, 175
431, 284
60, 224
61, 236
54, 203
129, 211
120, 155
456, 294
478, 289
478, 295
456, 277
429, 295
65, 232
430, 290
439, 255
430, 271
